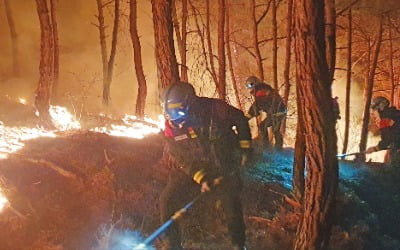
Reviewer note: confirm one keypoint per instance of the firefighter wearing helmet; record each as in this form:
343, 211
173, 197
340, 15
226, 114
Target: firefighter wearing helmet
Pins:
206, 138
268, 100
388, 122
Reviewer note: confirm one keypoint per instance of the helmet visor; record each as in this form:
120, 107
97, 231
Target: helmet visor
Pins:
176, 111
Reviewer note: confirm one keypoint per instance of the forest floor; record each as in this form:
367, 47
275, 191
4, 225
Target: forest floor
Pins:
87, 190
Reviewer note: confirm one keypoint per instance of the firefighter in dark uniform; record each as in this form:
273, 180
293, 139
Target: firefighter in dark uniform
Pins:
268, 100
208, 140
388, 122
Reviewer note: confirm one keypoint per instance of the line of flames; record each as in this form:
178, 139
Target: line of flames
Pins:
12, 138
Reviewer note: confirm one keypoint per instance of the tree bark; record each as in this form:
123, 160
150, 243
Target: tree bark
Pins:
368, 89
288, 46
14, 37
274, 46
221, 84
254, 37
184, 69
288, 53
111, 60
137, 59
103, 41
230, 60
167, 66
348, 82
56, 48
299, 153
209, 44
391, 68
46, 66
319, 126
330, 36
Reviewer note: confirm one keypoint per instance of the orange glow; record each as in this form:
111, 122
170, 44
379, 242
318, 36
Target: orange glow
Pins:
132, 127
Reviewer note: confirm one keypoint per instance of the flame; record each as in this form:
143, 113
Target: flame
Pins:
62, 119
132, 127
3, 200
12, 138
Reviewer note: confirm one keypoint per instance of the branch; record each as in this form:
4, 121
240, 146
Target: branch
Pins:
245, 47
340, 12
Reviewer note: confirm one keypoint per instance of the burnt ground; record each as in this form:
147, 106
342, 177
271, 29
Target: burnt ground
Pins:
86, 190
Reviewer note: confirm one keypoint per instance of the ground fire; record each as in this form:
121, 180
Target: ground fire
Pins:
199, 124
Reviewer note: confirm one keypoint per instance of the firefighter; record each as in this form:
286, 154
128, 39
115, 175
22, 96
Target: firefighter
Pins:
208, 141
388, 121
268, 100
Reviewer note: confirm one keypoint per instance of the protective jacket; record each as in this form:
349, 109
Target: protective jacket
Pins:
206, 146
389, 126
272, 104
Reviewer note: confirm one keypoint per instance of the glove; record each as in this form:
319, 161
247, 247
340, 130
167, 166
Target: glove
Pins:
246, 156
206, 186
371, 149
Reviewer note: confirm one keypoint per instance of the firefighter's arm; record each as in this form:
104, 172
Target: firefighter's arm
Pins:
243, 132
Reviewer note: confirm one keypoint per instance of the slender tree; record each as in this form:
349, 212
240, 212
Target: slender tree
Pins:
370, 77
330, 36
111, 59
274, 45
46, 66
229, 56
56, 48
103, 41
108, 62
167, 65
209, 44
254, 38
314, 86
348, 82
181, 36
288, 46
221, 84
137, 59
288, 56
14, 37
391, 67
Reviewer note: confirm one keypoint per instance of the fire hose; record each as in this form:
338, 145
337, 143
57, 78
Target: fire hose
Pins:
178, 214
349, 154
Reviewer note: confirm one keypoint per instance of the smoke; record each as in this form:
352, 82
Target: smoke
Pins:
122, 240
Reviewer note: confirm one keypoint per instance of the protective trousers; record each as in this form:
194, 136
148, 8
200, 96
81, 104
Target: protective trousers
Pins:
181, 189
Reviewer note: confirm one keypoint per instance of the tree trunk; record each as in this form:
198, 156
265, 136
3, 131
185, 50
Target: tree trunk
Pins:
56, 48
181, 36
184, 69
229, 55
167, 66
14, 37
274, 46
299, 153
209, 44
110, 63
46, 66
319, 126
288, 53
103, 41
221, 85
368, 89
286, 70
254, 37
348, 83
137, 59
330, 36
391, 68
